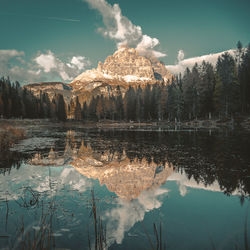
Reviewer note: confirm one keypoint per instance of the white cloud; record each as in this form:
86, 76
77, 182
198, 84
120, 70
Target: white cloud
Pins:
44, 67
147, 42
181, 55
79, 61
13, 65
117, 27
190, 62
65, 76
46, 61
49, 63
146, 46
4, 54
122, 30
157, 54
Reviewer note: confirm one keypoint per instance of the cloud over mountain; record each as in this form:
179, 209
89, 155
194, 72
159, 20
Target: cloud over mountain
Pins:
49, 63
43, 67
120, 29
182, 63
12, 64
181, 55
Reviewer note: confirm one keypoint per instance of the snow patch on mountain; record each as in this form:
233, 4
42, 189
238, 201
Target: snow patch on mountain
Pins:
125, 65
131, 78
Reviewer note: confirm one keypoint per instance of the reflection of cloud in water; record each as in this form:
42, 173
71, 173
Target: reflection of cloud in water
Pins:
123, 217
70, 177
41, 179
128, 179
137, 182
184, 183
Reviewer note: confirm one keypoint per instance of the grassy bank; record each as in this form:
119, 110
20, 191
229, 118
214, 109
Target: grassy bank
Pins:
10, 135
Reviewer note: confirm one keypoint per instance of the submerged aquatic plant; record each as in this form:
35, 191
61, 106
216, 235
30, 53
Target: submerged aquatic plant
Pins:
39, 237
99, 228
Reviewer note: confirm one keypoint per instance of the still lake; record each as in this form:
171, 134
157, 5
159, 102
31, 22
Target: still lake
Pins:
189, 187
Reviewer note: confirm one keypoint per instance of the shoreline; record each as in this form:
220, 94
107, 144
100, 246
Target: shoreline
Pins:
242, 123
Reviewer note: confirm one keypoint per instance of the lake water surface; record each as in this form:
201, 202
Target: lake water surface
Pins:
189, 188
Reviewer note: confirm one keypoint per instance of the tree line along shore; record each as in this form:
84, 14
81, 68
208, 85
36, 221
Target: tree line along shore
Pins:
205, 92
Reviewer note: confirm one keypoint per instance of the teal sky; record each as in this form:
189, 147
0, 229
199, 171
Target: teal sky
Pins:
70, 27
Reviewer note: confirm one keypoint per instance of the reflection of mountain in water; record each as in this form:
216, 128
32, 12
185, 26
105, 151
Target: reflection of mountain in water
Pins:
129, 162
133, 165
124, 177
56, 158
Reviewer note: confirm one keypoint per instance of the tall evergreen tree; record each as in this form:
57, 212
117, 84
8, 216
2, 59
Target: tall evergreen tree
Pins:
147, 102
78, 115
130, 102
227, 72
119, 104
85, 111
99, 108
244, 78
61, 110
139, 104
206, 88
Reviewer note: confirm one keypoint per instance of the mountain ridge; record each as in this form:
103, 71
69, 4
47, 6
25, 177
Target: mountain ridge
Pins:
126, 67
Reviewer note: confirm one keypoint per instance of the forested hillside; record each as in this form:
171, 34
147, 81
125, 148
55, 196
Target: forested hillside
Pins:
18, 102
202, 92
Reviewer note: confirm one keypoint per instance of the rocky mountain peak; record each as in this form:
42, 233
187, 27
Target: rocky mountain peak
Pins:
126, 65
127, 62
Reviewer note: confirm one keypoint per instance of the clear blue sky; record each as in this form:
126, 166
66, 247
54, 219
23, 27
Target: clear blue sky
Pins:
69, 27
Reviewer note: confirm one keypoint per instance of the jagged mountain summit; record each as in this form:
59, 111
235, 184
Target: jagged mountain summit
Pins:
125, 67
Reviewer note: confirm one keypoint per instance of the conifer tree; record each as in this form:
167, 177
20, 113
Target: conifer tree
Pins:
227, 72
119, 104
77, 114
61, 110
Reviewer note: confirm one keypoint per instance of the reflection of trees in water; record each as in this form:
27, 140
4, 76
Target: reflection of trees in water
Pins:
207, 158
10, 160
204, 157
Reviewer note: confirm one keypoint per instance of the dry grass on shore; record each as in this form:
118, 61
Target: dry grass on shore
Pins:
10, 135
